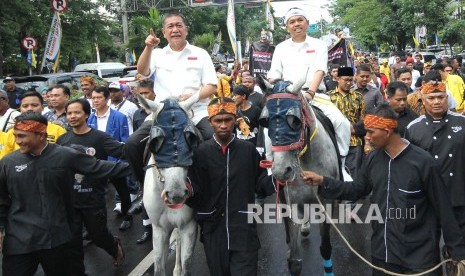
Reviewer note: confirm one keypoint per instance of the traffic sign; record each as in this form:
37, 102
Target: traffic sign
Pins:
60, 5
29, 43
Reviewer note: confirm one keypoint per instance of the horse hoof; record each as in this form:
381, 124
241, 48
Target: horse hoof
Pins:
305, 229
295, 266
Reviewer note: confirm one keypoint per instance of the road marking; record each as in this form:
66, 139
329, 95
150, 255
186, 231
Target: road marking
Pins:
143, 266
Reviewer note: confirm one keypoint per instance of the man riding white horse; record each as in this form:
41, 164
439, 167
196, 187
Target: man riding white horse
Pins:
300, 55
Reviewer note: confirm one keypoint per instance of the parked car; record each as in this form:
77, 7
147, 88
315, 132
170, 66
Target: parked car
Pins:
428, 57
110, 71
72, 78
129, 74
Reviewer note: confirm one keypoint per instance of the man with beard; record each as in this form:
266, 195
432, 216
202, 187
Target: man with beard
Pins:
261, 54
89, 193
396, 92
87, 86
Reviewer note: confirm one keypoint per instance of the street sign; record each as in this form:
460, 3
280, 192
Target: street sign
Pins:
29, 43
313, 28
60, 5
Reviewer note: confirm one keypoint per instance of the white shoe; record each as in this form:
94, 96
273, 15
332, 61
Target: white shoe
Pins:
117, 208
134, 197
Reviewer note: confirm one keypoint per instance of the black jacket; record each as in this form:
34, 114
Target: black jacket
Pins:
225, 182
412, 200
36, 203
89, 192
445, 141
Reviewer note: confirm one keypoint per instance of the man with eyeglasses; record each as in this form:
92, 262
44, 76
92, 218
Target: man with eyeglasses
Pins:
352, 106
441, 133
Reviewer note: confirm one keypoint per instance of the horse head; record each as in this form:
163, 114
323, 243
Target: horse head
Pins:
172, 139
286, 115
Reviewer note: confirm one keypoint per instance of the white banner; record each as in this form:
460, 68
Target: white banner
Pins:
52, 48
231, 24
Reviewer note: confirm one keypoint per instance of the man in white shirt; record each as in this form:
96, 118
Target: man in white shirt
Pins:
118, 102
182, 71
7, 114
301, 57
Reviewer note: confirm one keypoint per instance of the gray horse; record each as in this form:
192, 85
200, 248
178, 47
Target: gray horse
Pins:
299, 142
166, 186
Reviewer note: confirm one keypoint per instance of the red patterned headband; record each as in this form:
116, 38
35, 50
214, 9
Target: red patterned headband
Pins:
31, 126
372, 121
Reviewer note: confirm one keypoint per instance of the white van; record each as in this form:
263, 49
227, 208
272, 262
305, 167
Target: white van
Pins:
109, 71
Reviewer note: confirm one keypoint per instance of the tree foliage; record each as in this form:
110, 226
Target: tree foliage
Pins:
373, 22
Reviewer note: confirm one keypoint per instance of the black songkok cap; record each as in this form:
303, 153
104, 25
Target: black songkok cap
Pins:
345, 71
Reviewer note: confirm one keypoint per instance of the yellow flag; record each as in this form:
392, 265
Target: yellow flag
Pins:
417, 43
134, 56
33, 59
55, 65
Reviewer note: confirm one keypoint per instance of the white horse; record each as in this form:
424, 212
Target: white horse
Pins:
166, 185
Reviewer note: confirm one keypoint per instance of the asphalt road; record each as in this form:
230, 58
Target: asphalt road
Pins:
272, 255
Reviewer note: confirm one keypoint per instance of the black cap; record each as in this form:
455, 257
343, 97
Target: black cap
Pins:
345, 71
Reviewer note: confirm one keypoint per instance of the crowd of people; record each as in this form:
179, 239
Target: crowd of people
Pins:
398, 126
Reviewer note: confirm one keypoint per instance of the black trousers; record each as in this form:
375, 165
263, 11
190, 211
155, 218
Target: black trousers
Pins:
134, 148
459, 213
224, 262
354, 160
399, 269
95, 221
53, 261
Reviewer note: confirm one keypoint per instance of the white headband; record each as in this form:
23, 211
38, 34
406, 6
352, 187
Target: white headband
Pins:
294, 12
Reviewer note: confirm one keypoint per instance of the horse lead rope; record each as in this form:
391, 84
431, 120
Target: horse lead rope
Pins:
461, 268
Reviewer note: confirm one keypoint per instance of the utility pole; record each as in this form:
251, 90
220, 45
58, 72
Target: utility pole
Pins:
124, 17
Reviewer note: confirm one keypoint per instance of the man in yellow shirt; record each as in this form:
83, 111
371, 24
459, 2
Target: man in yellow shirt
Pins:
385, 69
30, 102
456, 87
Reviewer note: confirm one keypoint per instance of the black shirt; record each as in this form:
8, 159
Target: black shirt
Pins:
404, 118
250, 117
14, 97
138, 118
412, 201
36, 198
256, 99
90, 192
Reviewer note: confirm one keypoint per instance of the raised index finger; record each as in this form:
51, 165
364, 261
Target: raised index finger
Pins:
152, 32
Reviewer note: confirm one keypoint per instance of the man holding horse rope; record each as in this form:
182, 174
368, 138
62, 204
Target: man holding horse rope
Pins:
226, 174
183, 71
409, 244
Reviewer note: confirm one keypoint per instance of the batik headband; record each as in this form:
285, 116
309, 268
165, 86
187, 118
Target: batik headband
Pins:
433, 88
221, 106
31, 126
373, 121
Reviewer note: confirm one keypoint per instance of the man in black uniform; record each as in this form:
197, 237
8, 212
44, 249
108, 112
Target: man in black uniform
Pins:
411, 197
396, 93
14, 92
442, 134
226, 174
36, 201
89, 193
